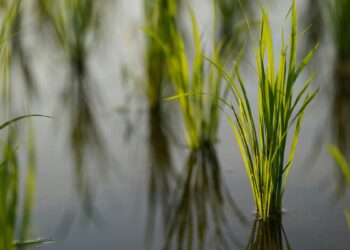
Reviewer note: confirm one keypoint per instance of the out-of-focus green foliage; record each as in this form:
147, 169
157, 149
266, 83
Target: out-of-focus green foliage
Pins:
341, 27
345, 169
198, 92
160, 17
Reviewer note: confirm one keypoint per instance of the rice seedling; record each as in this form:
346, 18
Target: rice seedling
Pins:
202, 207
15, 219
269, 235
160, 17
263, 143
345, 169
197, 92
341, 28
17, 189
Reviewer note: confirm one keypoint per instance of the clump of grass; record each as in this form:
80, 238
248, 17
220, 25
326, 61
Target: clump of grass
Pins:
263, 143
197, 91
15, 219
345, 169
16, 194
341, 27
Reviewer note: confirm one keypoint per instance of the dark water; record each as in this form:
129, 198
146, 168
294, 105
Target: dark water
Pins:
142, 189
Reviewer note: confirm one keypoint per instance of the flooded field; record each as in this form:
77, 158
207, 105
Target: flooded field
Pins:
135, 145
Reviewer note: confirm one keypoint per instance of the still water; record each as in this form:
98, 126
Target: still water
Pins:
133, 184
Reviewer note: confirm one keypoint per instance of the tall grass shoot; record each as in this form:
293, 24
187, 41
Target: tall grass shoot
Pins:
263, 143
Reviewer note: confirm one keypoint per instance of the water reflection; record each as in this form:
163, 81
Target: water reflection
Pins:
162, 175
268, 235
73, 23
201, 207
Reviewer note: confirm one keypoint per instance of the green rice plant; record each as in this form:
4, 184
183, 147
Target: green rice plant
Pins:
160, 17
345, 169
197, 92
17, 188
341, 27
263, 143
15, 217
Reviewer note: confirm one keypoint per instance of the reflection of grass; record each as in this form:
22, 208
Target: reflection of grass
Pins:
74, 23
345, 169
263, 145
202, 207
268, 235
162, 175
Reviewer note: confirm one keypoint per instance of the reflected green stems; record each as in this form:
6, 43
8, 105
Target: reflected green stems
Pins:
201, 207
73, 23
162, 175
268, 235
